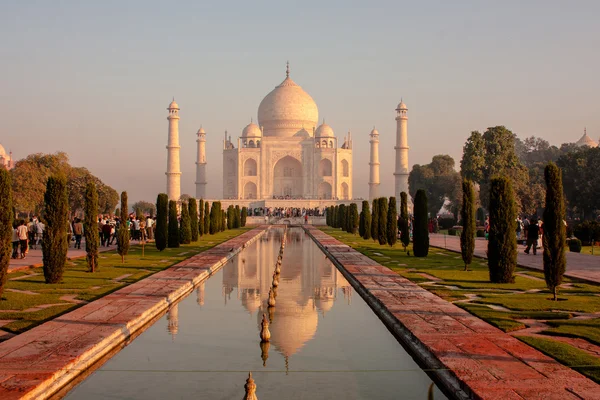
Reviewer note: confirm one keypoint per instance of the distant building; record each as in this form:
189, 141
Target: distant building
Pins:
6, 160
586, 140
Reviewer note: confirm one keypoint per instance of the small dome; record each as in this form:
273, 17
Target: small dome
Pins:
401, 106
324, 130
374, 132
174, 105
586, 141
201, 131
303, 133
251, 130
2, 151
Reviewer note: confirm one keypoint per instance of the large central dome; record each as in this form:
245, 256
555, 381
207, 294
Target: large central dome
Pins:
287, 109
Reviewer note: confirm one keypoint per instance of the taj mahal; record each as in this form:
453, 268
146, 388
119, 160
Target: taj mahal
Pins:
287, 158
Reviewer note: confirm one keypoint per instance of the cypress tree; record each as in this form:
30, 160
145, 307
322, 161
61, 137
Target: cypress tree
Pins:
353, 224
6, 225
54, 240
403, 220
223, 220
367, 211
173, 239
342, 216
361, 221
90, 226
207, 218
469, 223
162, 212
346, 226
185, 230
237, 217
375, 219
201, 217
244, 216
123, 234
420, 228
193, 213
554, 237
502, 243
230, 217
392, 222
327, 217
214, 218
382, 223
334, 217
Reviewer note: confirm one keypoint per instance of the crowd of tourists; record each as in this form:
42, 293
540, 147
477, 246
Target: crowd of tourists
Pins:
287, 212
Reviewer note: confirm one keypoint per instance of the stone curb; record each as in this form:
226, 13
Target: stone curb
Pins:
124, 330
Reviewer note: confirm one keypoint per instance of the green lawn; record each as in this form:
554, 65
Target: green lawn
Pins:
588, 250
454, 283
83, 285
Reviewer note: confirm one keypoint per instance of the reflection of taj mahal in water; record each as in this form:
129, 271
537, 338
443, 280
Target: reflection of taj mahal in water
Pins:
302, 294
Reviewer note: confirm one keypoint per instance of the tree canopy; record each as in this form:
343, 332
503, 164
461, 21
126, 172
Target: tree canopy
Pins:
440, 181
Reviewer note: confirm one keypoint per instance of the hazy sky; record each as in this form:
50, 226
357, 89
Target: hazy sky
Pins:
94, 78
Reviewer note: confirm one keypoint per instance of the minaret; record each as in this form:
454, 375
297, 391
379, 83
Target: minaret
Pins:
401, 172
201, 165
173, 171
374, 165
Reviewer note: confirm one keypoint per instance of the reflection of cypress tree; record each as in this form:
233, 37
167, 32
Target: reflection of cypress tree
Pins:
6, 221
123, 234
90, 226
403, 220
392, 222
185, 231
502, 243
162, 212
54, 240
201, 218
375, 219
554, 237
193, 213
382, 223
420, 228
173, 241
207, 218
244, 216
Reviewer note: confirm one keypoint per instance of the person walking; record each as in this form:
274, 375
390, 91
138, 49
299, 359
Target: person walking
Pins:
533, 234
106, 229
23, 235
149, 225
15, 241
78, 231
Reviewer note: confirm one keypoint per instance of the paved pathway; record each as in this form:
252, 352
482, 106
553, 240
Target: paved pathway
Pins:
37, 363
582, 266
472, 358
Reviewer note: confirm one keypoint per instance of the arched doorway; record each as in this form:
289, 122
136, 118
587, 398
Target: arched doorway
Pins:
250, 167
325, 167
324, 191
344, 191
345, 168
250, 190
287, 178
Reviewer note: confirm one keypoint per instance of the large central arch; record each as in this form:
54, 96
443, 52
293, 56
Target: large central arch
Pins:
287, 177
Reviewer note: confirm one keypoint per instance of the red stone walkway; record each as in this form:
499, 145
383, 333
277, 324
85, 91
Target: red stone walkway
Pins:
37, 363
472, 358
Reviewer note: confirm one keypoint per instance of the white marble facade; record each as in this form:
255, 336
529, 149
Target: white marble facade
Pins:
286, 155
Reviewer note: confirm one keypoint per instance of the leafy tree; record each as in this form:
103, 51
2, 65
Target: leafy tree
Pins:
502, 243
90, 226
207, 218
403, 220
123, 233
554, 238
473, 160
375, 220
6, 221
215, 217
238, 217
185, 229
244, 216
440, 181
54, 240
201, 218
467, 215
173, 239
420, 228
145, 207
162, 211
353, 218
367, 222
230, 216
581, 180
392, 222
193, 213
185, 198
382, 221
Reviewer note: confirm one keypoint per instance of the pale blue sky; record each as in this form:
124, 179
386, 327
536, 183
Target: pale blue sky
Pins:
94, 78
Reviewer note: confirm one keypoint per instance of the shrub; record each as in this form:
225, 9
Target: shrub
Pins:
375, 219
162, 212
587, 232
555, 262
453, 232
420, 228
90, 226
392, 222
403, 220
206, 218
502, 244
193, 213
214, 217
173, 239
342, 222
237, 222
366, 220
353, 219
575, 245
6, 221
54, 240
244, 216
446, 222
185, 231
230, 216
480, 233
201, 217
123, 234
223, 219
382, 223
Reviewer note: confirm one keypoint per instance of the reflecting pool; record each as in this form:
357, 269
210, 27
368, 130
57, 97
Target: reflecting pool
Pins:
326, 343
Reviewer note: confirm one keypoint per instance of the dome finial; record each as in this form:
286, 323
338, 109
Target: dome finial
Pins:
287, 69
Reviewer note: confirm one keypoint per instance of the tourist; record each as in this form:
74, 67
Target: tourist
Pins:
105, 238
149, 225
69, 234
78, 231
15, 240
533, 234
39, 231
23, 235
31, 230
142, 230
